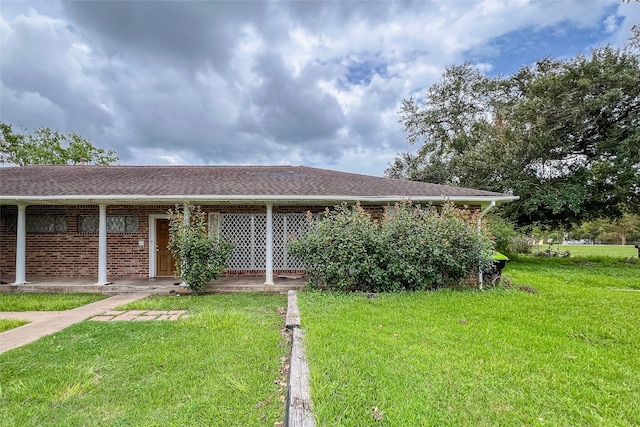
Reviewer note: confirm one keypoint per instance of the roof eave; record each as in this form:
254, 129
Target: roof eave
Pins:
117, 199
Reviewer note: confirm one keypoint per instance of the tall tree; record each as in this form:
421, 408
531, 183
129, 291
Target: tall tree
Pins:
564, 135
49, 147
627, 227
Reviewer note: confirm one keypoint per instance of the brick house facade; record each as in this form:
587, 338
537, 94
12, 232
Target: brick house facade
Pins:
101, 221
75, 253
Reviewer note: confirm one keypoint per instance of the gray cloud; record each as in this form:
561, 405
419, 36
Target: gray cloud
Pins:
242, 82
42, 60
191, 34
292, 108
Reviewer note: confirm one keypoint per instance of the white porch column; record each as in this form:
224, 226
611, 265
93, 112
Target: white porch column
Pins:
102, 246
21, 246
269, 266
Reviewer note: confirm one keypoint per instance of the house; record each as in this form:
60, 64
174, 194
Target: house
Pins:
112, 221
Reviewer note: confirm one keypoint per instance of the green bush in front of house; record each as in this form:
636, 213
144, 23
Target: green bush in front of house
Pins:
427, 248
340, 251
415, 248
199, 257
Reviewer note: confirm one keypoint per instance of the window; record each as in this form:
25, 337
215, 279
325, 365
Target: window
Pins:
38, 224
46, 224
10, 223
115, 224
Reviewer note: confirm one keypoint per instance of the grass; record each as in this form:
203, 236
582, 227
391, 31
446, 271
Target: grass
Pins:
575, 274
567, 355
45, 302
593, 250
6, 324
219, 367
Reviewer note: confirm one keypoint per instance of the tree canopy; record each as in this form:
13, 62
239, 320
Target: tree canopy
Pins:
618, 232
564, 135
50, 147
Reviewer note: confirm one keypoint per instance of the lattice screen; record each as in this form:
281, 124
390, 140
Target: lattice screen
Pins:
248, 232
285, 228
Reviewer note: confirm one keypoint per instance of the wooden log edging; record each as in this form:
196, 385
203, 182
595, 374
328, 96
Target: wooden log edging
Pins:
298, 411
293, 314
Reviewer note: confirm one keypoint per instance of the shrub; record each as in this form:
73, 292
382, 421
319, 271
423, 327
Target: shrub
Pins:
506, 237
414, 248
502, 232
519, 245
428, 248
199, 257
340, 250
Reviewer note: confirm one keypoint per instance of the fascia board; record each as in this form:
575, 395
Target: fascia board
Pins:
172, 199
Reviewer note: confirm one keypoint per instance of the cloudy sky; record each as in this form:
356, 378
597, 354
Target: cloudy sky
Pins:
267, 82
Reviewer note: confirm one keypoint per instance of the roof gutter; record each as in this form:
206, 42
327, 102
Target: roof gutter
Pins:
119, 198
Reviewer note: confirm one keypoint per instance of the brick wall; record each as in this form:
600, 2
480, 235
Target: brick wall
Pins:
75, 254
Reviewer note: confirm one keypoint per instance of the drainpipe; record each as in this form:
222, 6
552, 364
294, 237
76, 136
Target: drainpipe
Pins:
483, 213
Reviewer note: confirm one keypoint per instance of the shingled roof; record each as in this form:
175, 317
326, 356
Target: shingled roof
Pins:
232, 184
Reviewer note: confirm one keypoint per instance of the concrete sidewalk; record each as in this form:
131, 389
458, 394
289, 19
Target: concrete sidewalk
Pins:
48, 322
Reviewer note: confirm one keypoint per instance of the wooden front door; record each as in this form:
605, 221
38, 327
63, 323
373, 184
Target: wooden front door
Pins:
165, 264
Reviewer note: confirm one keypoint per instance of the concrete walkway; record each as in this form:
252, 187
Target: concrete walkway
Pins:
49, 322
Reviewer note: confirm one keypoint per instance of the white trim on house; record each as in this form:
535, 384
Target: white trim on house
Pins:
21, 246
240, 199
102, 245
269, 249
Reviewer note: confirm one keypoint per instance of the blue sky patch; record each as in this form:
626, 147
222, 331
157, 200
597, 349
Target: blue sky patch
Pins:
361, 72
508, 53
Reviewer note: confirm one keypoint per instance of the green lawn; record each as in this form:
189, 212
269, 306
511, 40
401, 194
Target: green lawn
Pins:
6, 324
593, 250
220, 367
568, 355
45, 302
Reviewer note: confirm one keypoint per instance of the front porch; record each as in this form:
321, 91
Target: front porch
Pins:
155, 286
